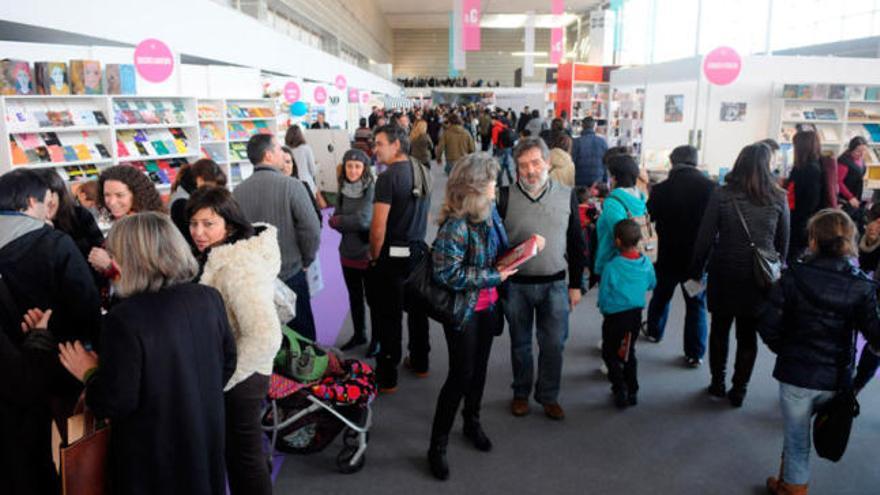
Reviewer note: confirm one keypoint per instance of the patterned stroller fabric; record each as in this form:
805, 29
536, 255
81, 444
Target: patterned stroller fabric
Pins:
355, 384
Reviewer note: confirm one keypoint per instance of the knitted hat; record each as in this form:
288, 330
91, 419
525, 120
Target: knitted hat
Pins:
356, 155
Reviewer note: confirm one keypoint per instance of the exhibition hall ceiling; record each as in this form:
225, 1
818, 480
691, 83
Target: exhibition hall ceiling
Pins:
501, 14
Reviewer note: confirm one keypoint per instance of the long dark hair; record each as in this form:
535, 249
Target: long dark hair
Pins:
221, 201
207, 170
855, 142
751, 175
294, 137
65, 218
807, 148
294, 171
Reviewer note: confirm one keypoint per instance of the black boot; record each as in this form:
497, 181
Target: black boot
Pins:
356, 340
717, 388
437, 461
736, 395
474, 432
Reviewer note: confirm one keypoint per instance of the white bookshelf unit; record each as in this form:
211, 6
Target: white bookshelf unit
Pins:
627, 113
243, 119
78, 136
837, 112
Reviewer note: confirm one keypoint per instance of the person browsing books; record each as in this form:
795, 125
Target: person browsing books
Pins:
625, 280
470, 240
268, 196
538, 292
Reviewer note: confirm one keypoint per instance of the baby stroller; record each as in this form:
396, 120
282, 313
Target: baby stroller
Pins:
313, 396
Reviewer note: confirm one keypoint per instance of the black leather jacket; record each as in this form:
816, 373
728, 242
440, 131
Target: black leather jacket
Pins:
811, 318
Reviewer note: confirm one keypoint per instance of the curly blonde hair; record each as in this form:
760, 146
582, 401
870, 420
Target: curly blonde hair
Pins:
466, 188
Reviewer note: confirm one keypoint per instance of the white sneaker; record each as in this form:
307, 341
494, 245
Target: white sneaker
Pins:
599, 345
603, 369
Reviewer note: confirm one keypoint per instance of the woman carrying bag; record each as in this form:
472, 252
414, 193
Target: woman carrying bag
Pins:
810, 322
470, 239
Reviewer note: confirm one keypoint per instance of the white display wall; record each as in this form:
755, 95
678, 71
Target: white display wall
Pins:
720, 142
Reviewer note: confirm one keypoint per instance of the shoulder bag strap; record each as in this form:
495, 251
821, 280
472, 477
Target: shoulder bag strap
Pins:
628, 213
743, 221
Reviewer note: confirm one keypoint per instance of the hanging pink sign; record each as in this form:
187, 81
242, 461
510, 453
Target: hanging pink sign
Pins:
353, 95
153, 60
722, 66
340, 82
556, 46
291, 92
470, 25
365, 97
320, 95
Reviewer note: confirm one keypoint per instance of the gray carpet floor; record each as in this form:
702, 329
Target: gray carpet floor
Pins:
678, 440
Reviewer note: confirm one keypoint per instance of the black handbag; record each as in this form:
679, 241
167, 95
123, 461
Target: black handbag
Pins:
833, 422
766, 265
423, 293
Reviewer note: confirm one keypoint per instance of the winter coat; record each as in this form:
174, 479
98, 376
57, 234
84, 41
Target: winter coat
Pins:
723, 244
805, 199
587, 152
613, 212
165, 358
420, 149
561, 167
810, 319
244, 272
676, 206
464, 261
624, 284
455, 142
85, 231
354, 217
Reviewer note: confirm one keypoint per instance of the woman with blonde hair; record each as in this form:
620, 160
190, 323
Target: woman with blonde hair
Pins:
468, 244
420, 142
166, 353
810, 323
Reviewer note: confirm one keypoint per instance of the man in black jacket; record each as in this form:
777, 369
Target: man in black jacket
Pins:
42, 268
677, 205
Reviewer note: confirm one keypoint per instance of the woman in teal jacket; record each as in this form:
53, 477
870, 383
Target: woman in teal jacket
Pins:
624, 201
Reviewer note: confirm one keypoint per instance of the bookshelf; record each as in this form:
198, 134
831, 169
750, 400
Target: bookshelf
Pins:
243, 119
626, 119
591, 99
837, 112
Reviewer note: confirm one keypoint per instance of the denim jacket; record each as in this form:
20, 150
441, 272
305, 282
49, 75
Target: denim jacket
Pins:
464, 256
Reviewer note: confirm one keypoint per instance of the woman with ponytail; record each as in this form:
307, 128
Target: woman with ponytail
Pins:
810, 322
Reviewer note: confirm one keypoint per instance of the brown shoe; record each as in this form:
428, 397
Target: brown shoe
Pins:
407, 363
519, 407
554, 411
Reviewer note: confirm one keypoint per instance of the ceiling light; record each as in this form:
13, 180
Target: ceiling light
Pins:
546, 66
529, 54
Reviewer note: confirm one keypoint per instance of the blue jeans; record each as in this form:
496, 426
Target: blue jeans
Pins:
798, 406
547, 306
695, 324
303, 323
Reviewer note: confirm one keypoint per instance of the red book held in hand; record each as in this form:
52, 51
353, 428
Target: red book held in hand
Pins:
523, 252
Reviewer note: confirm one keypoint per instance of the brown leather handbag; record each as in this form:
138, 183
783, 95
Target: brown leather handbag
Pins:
83, 456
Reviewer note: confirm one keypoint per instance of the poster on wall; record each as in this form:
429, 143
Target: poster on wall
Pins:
674, 108
733, 112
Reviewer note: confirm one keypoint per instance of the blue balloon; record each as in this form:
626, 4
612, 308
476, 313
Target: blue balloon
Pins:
299, 109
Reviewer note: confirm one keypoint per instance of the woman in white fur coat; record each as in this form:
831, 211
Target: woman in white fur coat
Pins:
241, 261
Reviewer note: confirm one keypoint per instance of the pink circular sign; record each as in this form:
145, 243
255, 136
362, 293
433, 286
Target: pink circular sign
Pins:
153, 60
320, 95
341, 83
722, 66
365, 97
291, 92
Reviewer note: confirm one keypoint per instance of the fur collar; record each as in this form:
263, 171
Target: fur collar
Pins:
258, 253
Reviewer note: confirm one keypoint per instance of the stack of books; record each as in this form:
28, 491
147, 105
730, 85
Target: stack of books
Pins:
147, 113
246, 129
207, 112
211, 131
242, 112
151, 142
56, 147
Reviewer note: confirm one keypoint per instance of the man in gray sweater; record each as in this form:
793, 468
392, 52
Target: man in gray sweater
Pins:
270, 196
538, 292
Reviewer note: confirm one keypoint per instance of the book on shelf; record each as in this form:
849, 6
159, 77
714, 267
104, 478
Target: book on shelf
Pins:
874, 131
156, 112
238, 151
245, 112
15, 77
856, 93
247, 129
837, 92
127, 79
36, 115
86, 77
208, 111
50, 78
523, 252
872, 93
214, 153
825, 114
211, 131
828, 134
820, 92
150, 143
809, 114
855, 113
56, 147
78, 173
119, 79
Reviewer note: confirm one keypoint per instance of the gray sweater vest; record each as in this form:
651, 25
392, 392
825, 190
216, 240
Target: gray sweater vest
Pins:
548, 217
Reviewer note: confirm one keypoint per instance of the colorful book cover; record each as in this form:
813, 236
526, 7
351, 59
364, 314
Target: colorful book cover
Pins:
141, 149
99, 117
18, 155
32, 156
872, 93
121, 149
127, 79
16, 77
93, 77
160, 148
180, 145
70, 154
102, 150
790, 91
856, 93
837, 92
43, 154
82, 152
50, 78
826, 114
56, 153
112, 81
805, 92
50, 138
73, 172
29, 140
523, 252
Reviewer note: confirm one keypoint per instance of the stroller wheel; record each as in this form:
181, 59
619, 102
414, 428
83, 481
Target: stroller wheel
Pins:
343, 461
350, 438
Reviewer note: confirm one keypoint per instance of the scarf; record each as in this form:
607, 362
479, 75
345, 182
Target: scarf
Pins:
353, 190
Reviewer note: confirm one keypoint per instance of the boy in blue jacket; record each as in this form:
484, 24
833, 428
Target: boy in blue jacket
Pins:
627, 277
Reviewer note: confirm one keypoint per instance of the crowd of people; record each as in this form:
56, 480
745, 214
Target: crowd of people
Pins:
169, 326
445, 82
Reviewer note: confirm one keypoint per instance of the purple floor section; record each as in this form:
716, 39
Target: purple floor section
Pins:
330, 306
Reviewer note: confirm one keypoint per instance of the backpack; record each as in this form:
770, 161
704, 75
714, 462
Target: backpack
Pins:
648, 242
421, 179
